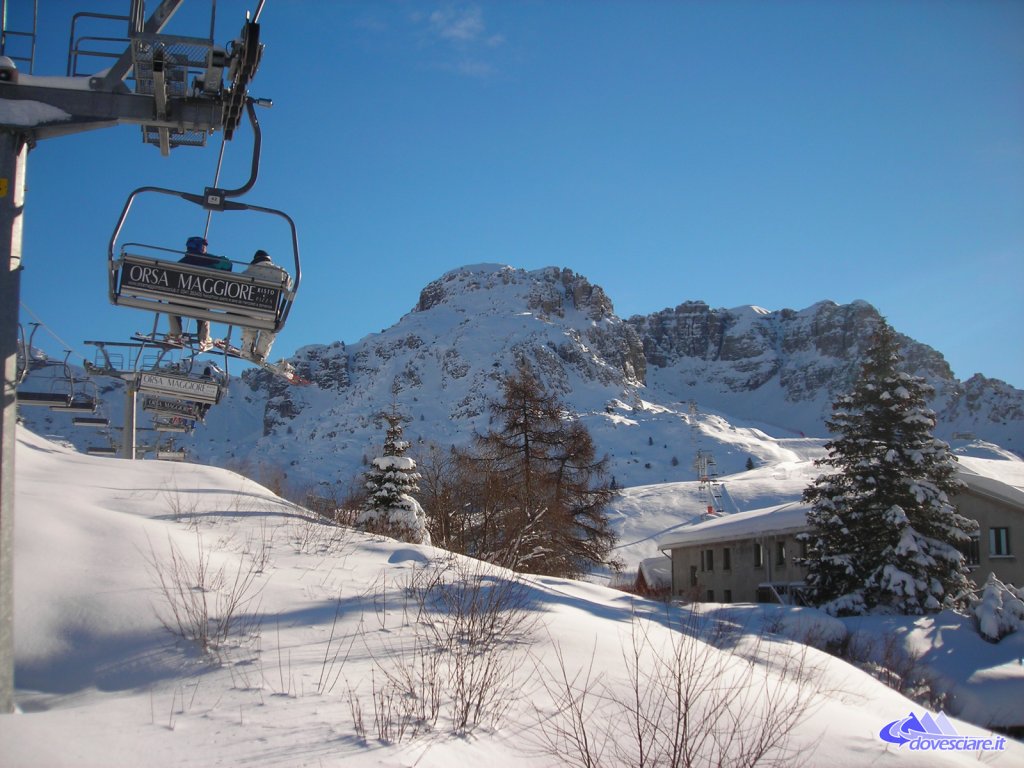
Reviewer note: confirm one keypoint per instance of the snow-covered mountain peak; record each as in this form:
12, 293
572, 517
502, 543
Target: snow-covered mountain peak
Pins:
551, 291
631, 381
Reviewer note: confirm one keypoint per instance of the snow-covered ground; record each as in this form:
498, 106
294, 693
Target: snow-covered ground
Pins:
323, 616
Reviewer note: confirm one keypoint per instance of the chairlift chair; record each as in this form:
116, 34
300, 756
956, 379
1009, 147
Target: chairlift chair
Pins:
60, 394
150, 277
169, 426
76, 405
31, 358
98, 422
110, 449
43, 399
105, 362
81, 401
172, 408
179, 386
110, 358
172, 69
166, 451
22, 364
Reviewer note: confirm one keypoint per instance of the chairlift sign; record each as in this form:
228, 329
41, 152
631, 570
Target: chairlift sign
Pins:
197, 285
180, 408
184, 387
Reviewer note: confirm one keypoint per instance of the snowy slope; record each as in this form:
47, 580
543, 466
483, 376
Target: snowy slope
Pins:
100, 682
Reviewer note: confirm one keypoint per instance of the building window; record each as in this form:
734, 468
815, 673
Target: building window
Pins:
999, 542
972, 550
707, 559
693, 575
780, 553
758, 555
727, 598
711, 595
726, 559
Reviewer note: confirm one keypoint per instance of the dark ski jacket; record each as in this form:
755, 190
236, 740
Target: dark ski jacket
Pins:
206, 260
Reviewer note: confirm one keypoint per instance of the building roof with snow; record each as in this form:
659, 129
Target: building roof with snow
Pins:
783, 518
657, 572
1002, 480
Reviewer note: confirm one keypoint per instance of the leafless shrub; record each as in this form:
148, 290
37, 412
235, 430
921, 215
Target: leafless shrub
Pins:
391, 715
203, 604
333, 664
419, 676
466, 628
690, 702
181, 507
355, 708
478, 618
258, 546
885, 659
317, 536
774, 623
570, 733
345, 516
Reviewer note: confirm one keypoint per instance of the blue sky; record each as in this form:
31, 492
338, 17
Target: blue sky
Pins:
768, 153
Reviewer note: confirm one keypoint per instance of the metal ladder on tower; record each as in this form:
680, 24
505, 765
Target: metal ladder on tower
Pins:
13, 41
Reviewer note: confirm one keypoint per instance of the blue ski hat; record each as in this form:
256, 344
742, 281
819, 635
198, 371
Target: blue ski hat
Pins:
196, 245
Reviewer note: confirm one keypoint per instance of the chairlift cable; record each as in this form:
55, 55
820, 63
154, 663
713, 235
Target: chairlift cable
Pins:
50, 331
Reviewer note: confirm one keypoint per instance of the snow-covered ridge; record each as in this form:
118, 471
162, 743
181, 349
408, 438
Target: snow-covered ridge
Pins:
548, 291
758, 380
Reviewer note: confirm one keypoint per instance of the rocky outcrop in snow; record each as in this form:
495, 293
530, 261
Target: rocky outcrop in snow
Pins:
470, 326
743, 349
781, 369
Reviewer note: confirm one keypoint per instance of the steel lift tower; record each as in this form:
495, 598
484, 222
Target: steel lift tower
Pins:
182, 90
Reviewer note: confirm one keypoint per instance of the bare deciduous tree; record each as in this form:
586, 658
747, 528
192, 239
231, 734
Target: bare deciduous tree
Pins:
534, 491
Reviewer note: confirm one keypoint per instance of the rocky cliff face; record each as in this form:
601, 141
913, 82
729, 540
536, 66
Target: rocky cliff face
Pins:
806, 358
443, 361
552, 295
804, 352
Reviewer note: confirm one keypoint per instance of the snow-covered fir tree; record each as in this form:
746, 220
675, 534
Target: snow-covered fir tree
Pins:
390, 508
999, 610
885, 533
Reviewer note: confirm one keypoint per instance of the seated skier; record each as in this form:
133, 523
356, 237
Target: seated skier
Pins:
255, 343
195, 254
